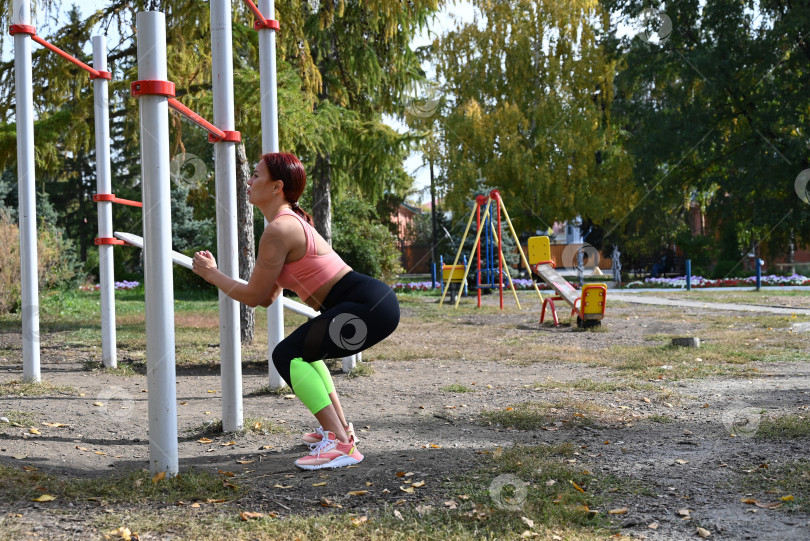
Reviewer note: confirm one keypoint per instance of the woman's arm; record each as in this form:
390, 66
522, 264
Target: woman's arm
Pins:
262, 286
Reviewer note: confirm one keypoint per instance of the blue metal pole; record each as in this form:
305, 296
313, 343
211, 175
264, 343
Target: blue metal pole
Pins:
433, 275
759, 273
688, 275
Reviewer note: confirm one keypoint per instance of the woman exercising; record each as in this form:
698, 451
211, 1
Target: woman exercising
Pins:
356, 311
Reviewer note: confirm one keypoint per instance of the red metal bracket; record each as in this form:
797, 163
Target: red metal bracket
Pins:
102, 75
152, 88
99, 197
266, 24
230, 136
109, 240
22, 29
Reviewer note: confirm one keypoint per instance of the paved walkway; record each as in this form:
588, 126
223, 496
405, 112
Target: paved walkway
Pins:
685, 303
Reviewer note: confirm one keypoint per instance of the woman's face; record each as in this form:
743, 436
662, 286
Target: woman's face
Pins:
261, 187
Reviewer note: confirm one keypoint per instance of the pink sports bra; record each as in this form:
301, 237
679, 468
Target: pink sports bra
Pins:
312, 271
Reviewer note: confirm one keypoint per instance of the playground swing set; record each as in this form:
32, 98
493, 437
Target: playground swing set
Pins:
156, 95
588, 305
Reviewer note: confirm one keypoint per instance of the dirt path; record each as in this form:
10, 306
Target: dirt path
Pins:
406, 422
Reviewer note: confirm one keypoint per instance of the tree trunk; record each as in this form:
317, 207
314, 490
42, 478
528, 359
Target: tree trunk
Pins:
247, 251
617, 265
322, 197
791, 258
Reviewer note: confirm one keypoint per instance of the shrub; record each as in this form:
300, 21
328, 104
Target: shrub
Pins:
364, 243
58, 267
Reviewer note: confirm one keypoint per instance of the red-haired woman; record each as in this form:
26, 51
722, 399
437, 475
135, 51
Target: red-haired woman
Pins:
356, 311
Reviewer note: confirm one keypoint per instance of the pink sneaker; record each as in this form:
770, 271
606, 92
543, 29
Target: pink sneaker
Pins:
314, 438
330, 453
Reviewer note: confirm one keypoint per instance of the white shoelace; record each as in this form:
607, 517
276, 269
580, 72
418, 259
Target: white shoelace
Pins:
321, 446
320, 431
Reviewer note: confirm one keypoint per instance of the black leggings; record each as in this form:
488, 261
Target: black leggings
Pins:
358, 312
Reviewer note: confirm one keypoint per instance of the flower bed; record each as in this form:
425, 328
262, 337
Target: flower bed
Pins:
520, 284
699, 282
118, 285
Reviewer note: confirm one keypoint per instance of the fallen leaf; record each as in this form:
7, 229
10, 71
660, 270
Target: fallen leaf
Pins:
326, 502
769, 505
319, 484
222, 500
228, 443
122, 533
289, 396
748, 500
21, 457
184, 403
369, 484
619, 511
419, 484
450, 504
100, 453
44, 498
400, 474
409, 490
360, 521
434, 446
210, 391
98, 404
683, 512
653, 525
195, 505
29, 468
228, 484
206, 413
227, 473
82, 448
703, 532
282, 486
205, 440
247, 515
528, 533
681, 461
356, 492
645, 399
463, 497
398, 514
34, 431
576, 486
159, 476
244, 461
787, 498
527, 521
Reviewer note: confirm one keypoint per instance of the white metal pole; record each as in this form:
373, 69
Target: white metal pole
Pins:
269, 104
26, 182
104, 185
230, 346
157, 235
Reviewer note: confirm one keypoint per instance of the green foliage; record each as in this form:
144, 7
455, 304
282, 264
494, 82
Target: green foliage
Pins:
363, 241
527, 111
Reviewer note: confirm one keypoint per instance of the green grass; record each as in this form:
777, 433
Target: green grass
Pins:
267, 390
587, 384
249, 425
784, 427
773, 483
133, 487
19, 418
122, 369
28, 388
663, 419
360, 369
535, 415
456, 388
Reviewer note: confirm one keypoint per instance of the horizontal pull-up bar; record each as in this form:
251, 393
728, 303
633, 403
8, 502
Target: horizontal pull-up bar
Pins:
166, 88
99, 197
31, 31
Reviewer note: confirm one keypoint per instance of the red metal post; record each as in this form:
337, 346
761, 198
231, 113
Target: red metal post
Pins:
497, 197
